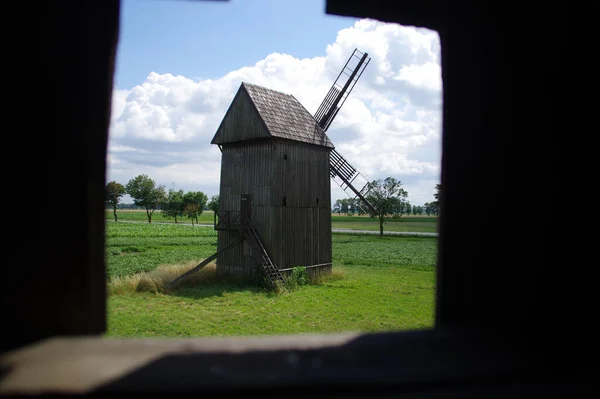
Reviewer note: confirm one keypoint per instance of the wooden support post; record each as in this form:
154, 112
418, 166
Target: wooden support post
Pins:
201, 265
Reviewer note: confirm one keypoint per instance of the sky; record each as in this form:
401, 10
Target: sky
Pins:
180, 63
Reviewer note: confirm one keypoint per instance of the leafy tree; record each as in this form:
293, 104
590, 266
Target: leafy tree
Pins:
145, 193
114, 192
415, 210
190, 210
407, 208
346, 205
433, 208
213, 204
398, 208
385, 196
438, 190
172, 205
427, 209
353, 206
196, 198
337, 207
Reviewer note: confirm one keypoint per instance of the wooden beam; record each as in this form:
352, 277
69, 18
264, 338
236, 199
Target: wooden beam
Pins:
201, 265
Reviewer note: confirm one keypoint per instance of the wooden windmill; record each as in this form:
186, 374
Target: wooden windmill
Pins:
276, 169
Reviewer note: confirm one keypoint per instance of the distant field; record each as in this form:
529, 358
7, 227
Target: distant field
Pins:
384, 284
135, 215
421, 224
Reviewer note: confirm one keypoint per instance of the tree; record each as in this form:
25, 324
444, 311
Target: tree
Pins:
432, 207
427, 208
213, 205
114, 192
190, 210
385, 196
438, 190
346, 205
146, 194
196, 198
407, 208
172, 206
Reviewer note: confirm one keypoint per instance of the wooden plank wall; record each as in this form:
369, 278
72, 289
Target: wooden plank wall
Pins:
298, 233
241, 122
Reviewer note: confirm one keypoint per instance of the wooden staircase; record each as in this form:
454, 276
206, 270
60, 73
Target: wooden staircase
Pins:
261, 255
233, 220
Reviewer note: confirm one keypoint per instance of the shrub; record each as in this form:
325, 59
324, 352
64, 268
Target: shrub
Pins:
297, 278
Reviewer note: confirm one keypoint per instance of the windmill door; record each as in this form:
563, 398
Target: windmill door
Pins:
245, 208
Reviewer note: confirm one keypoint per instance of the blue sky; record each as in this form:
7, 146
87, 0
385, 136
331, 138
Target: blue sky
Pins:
206, 39
179, 64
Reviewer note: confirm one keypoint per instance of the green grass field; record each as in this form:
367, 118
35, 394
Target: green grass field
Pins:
420, 224
135, 215
381, 284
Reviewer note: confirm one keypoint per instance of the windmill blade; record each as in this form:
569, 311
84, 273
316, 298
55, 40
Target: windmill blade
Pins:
341, 169
341, 88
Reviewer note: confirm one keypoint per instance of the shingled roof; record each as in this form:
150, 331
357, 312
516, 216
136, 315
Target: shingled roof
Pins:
282, 116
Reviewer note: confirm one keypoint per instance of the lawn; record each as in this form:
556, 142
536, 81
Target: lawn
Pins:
381, 284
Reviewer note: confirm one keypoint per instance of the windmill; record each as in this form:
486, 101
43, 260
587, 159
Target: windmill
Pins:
277, 164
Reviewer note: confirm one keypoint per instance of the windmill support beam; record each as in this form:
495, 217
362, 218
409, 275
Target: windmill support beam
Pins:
201, 265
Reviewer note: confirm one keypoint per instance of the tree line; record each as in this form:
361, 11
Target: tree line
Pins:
146, 194
389, 200
351, 206
386, 195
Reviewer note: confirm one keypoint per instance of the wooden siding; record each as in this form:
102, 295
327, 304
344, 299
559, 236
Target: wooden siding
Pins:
258, 112
297, 234
241, 122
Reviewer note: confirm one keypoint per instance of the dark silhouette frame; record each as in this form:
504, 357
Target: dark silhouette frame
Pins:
505, 317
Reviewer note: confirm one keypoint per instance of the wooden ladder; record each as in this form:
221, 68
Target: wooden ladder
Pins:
261, 254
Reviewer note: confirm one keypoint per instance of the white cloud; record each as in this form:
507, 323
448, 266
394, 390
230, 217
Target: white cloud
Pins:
389, 126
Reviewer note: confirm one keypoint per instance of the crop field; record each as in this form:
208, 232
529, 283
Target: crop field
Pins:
378, 284
421, 224
136, 215
140, 247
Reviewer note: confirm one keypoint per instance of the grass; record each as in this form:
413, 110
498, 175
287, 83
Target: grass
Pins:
159, 279
420, 224
136, 215
142, 247
378, 284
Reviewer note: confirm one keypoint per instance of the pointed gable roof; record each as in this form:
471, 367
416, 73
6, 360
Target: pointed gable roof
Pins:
260, 112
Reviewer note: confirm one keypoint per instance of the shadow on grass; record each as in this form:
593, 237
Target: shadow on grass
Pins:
217, 289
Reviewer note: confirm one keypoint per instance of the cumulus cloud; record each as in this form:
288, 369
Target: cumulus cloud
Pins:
390, 125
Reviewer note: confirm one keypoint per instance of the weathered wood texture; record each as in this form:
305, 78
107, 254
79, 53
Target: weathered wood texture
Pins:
241, 121
260, 112
290, 188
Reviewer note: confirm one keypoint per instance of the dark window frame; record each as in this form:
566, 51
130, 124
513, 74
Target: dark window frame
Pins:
491, 334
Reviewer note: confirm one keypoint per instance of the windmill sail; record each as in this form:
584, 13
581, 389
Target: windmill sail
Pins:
339, 168
341, 88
